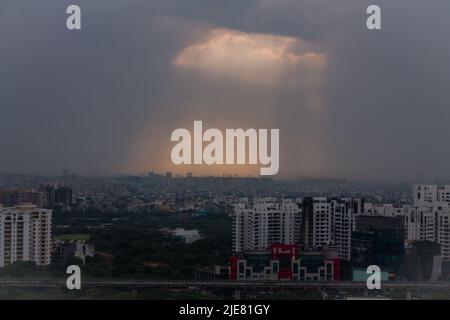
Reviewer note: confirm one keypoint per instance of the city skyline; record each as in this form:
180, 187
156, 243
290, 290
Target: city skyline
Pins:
58, 174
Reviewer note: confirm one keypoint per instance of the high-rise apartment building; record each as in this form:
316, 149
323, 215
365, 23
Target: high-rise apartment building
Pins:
344, 213
322, 220
263, 222
430, 223
13, 197
58, 197
25, 234
384, 210
329, 222
431, 194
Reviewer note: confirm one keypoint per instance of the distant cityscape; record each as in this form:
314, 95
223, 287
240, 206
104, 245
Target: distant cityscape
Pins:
279, 230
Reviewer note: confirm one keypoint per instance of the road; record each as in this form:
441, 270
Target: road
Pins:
47, 283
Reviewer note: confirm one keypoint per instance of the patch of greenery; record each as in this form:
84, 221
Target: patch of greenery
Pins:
131, 245
73, 236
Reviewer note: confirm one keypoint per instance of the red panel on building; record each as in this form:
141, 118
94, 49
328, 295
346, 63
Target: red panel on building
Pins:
284, 253
233, 268
336, 269
284, 249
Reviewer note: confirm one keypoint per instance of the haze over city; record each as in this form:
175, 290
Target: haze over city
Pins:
349, 103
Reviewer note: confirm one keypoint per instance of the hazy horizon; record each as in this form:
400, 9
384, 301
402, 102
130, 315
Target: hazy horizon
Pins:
220, 175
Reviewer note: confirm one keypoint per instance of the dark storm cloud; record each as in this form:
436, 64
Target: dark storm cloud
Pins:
387, 95
81, 99
75, 99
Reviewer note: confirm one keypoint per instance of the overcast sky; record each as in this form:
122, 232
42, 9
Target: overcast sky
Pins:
349, 102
